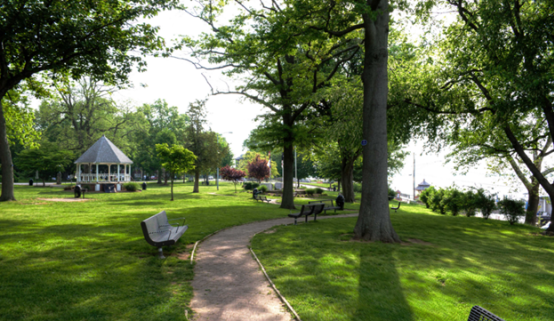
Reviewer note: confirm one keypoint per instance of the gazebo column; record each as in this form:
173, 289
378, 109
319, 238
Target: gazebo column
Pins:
96, 172
110, 173
129, 172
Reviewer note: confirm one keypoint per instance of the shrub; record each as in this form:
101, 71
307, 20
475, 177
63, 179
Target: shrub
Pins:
357, 187
262, 188
426, 196
310, 191
512, 209
469, 203
318, 190
131, 186
435, 201
485, 202
250, 186
452, 200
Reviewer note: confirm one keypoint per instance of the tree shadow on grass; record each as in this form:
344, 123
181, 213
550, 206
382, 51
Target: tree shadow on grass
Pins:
360, 283
380, 294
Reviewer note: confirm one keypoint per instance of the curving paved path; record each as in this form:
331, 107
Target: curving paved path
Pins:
228, 283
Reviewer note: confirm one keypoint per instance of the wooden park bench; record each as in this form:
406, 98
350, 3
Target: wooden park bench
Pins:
158, 232
477, 313
308, 210
329, 205
396, 208
262, 198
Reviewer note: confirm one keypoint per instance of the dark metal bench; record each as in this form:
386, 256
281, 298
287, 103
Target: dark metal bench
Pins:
158, 232
329, 205
396, 208
308, 210
262, 198
477, 313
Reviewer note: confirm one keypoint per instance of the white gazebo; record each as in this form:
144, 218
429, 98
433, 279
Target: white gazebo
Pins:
103, 163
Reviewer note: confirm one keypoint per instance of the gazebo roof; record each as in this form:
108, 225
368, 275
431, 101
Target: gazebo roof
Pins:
104, 151
423, 185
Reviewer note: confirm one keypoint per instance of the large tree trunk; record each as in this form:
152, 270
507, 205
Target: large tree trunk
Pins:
196, 181
172, 187
347, 180
287, 199
374, 219
532, 203
5, 159
546, 185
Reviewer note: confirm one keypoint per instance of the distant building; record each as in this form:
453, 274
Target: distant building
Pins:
238, 159
545, 206
402, 197
421, 187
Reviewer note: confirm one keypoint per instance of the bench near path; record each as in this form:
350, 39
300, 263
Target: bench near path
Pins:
228, 283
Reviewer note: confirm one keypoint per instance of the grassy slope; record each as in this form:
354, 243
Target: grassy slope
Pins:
77, 261
506, 269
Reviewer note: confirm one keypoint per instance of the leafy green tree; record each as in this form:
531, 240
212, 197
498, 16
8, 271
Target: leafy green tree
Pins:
367, 20
159, 124
70, 38
48, 160
279, 74
202, 143
494, 77
175, 159
80, 114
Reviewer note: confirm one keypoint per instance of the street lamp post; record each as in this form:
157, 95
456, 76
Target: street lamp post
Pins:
217, 174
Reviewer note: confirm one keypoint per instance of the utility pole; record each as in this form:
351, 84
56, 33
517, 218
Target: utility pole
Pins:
414, 176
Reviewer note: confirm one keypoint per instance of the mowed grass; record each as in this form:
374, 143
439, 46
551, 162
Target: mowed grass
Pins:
507, 269
89, 261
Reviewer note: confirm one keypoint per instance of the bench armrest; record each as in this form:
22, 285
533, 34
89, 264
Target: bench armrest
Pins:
177, 219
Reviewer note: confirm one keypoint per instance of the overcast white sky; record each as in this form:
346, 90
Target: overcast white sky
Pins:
179, 83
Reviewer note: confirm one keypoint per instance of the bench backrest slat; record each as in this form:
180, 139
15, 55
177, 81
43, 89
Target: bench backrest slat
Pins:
155, 228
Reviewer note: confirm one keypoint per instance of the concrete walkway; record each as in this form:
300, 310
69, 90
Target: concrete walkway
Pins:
228, 284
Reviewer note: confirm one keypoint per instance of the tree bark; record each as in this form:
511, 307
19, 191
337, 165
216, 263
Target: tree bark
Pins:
5, 159
196, 181
159, 176
532, 203
172, 186
347, 180
287, 199
374, 222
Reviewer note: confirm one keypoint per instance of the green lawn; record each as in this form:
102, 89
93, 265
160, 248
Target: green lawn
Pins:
470, 261
89, 261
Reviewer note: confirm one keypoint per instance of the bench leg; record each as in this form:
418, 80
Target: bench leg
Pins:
295, 221
306, 218
161, 253
315, 217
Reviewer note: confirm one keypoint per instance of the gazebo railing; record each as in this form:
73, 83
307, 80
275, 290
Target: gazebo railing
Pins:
105, 178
